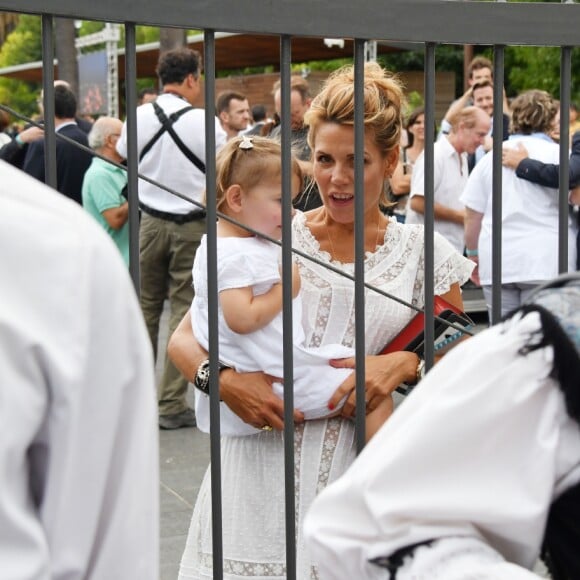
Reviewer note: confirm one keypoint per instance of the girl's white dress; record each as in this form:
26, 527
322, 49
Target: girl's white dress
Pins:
254, 262
253, 466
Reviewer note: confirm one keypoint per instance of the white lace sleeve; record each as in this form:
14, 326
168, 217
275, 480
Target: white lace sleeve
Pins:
450, 268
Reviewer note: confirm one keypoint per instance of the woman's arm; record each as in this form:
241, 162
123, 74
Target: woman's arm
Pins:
245, 313
248, 395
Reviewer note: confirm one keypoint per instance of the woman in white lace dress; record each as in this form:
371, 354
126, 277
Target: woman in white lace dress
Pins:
253, 466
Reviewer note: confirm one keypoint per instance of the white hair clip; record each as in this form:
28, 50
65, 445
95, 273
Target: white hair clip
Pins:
246, 143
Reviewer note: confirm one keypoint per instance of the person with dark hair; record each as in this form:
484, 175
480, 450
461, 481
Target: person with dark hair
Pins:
259, 120
233, 111
172, 151
147, 95
71, 161
400, 182
478, 469
300, 100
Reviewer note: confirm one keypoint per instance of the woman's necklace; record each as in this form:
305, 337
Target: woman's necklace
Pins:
334, 255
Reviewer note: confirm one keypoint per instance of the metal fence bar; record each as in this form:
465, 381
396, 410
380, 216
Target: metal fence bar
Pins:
288, 339
497, 23
359, 240
429, 203
565, 83
132, 151
213, 301
50, 177
496, 241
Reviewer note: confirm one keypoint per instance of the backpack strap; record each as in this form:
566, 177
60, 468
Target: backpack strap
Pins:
167, 125
173, 117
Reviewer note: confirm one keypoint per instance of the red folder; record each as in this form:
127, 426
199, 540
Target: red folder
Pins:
412, 337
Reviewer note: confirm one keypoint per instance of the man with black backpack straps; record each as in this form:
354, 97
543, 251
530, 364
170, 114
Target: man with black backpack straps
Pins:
171, 146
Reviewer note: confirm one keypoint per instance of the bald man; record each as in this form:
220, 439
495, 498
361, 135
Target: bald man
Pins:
104, 182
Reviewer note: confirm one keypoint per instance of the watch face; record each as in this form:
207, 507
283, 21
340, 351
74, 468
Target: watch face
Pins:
202, 376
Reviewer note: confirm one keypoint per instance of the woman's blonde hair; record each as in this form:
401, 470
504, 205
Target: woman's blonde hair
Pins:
383, 105
246, 161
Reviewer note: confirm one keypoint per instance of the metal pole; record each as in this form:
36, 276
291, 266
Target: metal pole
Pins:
212, 288
132, 151
50, 177
496, 242
429, 203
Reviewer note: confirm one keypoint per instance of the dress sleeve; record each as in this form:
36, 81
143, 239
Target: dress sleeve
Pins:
450, 266
241, 269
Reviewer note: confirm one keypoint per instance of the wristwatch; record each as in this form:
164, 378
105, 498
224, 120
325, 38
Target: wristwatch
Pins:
201, 380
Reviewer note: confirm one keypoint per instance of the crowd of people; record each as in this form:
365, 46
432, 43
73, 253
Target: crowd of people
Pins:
443, 531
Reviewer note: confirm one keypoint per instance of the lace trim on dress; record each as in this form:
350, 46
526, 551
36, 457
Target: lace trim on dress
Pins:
329, 447
243, 569
247, 569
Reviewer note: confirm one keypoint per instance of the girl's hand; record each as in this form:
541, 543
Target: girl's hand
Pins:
383, 374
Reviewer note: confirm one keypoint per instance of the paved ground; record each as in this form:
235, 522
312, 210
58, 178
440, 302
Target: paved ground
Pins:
184, 457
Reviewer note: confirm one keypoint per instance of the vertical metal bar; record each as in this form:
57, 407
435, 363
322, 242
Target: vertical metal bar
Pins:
212, 286
429, 203
565, 83
496, 244
359, 240
290, 507
132, 150
50, 177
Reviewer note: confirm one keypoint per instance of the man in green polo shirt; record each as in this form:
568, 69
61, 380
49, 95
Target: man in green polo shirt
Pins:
103, 183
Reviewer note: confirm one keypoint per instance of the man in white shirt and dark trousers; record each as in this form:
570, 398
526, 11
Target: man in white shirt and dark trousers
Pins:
469, 128
171, 228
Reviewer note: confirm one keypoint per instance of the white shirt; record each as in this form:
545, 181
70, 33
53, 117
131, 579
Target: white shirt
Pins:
450, 178
165, 162
78, 451
478, 450
529, 218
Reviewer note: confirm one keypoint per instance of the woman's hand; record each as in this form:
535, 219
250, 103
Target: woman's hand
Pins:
383, 374
250, 397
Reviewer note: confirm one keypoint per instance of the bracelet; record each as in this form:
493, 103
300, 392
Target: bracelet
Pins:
419, 373
471, 253
19, 140
201, 381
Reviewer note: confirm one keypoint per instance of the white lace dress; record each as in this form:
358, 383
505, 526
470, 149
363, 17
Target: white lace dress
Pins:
253, 466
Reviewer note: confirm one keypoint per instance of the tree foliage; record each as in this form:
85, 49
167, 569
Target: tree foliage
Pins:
23, 44
538, 67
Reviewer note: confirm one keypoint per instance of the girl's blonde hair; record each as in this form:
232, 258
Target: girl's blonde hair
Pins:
247, 161
383, 105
